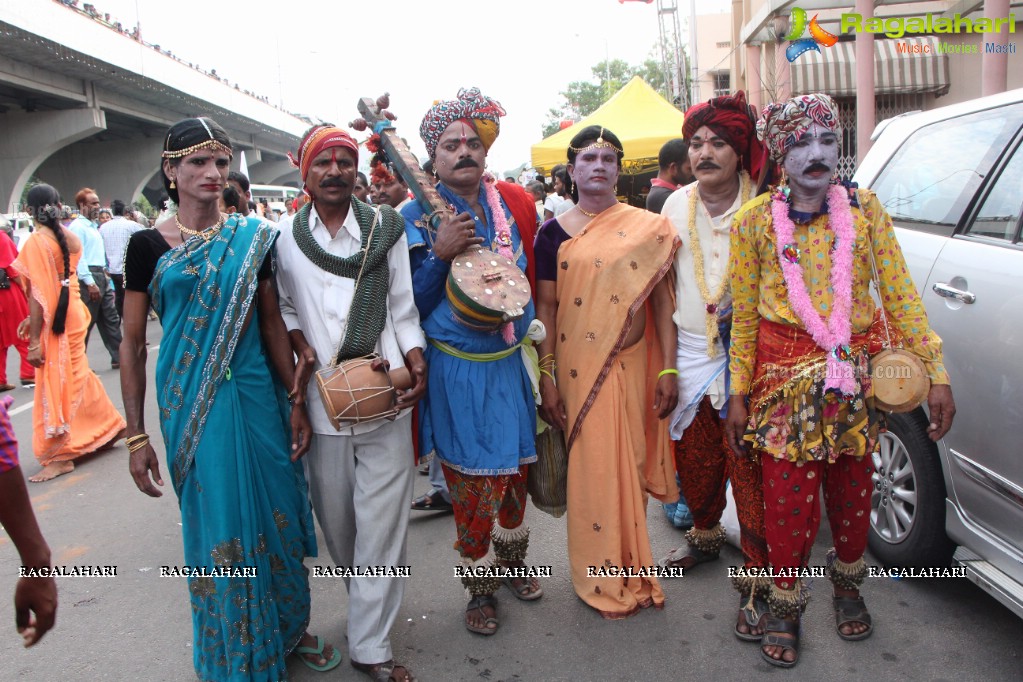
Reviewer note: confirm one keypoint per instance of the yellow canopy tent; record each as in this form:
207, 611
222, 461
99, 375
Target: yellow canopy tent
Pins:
637, 114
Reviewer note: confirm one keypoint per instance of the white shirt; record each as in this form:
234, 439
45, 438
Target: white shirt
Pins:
115, 234
317, 302
566, 205
690, 309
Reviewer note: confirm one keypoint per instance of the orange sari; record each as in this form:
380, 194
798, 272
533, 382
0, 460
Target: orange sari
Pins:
72, 415
618, 450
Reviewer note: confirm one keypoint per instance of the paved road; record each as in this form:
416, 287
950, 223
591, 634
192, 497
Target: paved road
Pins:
137, 626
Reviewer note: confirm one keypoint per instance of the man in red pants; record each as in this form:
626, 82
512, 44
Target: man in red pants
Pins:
723, 151
800, 277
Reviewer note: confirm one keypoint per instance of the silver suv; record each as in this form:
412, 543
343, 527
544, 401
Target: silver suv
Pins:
952, 181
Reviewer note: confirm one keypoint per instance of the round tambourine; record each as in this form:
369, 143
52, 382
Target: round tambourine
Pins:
899, 380
485, 289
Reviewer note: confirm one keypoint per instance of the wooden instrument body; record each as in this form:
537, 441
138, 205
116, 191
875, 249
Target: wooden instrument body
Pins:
354, 393
898, 380
486, 290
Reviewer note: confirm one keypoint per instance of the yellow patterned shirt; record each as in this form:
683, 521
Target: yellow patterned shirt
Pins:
758, 286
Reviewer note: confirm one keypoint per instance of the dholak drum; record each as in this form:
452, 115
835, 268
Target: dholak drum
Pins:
899, 380
353, 392
485, 289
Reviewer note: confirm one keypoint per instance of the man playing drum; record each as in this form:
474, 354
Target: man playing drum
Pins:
801, 332
478, 415
346, 292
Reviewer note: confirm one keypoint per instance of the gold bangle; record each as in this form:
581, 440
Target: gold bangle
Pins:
136, 438
671, 370
543, 371
35, 347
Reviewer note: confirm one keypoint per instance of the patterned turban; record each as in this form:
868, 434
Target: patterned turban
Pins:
316, 140
471, 106
734, 121
784, 123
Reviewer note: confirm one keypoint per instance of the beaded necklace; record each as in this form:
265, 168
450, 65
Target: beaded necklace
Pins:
710, 301
832, 335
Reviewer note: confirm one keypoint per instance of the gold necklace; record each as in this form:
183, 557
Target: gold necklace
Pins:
206, 234
592, 215
710, 301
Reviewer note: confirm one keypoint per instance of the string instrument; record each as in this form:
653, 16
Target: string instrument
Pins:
484, 289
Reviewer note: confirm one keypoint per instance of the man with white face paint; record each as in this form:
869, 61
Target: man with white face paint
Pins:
801, 394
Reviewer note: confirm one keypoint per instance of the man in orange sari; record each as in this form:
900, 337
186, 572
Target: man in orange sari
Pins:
73, 415
605, 296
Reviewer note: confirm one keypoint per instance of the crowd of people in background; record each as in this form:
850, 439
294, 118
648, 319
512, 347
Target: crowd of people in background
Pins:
658, 349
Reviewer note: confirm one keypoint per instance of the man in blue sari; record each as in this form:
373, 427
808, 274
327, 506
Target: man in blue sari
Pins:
479, 414
232, 439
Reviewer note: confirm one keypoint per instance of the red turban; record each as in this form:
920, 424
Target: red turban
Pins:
318, 139
733, 121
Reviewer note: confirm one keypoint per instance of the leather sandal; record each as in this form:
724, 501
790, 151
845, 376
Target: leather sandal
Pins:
387, 671
677, 557
753, 614
432, 501
783, 633
527, 590
476, 604
851, 610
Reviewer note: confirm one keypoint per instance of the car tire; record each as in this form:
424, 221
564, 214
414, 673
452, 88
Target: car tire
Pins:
907, 506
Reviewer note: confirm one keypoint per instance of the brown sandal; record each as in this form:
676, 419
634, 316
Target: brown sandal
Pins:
387, 671
476, 604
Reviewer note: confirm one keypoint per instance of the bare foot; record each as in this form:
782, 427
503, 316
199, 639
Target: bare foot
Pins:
51, 471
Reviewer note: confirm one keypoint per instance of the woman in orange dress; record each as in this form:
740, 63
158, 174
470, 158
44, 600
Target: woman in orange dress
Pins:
73, 415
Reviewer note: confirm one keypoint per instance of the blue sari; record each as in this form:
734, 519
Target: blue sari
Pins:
224, 418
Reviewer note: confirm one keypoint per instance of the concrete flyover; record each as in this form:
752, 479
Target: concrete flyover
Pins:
84, 105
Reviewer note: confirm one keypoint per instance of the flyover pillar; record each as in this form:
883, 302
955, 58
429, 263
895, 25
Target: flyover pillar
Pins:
28, 139
116, 169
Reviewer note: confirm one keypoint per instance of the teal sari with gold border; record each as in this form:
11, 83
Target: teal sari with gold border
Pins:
246, 520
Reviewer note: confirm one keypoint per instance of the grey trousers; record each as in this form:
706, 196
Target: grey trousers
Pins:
104, 313
360, 487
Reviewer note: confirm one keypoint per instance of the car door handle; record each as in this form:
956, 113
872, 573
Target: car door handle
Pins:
946, 291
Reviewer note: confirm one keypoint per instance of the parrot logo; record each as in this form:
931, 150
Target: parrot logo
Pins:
798, 26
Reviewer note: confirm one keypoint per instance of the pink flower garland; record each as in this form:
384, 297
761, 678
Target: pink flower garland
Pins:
832, 336
503, 237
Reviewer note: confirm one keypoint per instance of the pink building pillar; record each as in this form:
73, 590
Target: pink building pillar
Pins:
865, 105
754, 84
994, 67
782, 74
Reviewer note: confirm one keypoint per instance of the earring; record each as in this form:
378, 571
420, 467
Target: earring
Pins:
172, 185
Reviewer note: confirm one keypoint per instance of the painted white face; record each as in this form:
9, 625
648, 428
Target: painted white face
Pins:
595, 170
811, 162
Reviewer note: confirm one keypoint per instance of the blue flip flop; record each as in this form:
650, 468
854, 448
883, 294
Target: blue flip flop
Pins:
334, 661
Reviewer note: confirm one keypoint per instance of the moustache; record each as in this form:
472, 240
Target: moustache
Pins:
707, 165
333, 182
813, 167
466, 163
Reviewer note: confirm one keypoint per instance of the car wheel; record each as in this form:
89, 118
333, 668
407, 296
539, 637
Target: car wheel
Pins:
907, 504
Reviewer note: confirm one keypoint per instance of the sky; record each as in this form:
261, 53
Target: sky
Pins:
321, 57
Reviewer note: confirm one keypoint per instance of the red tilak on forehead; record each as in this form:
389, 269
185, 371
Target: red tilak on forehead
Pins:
333, 155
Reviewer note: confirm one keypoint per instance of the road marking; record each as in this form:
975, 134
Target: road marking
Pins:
25, 408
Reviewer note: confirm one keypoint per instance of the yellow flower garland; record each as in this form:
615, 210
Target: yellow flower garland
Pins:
711, 302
